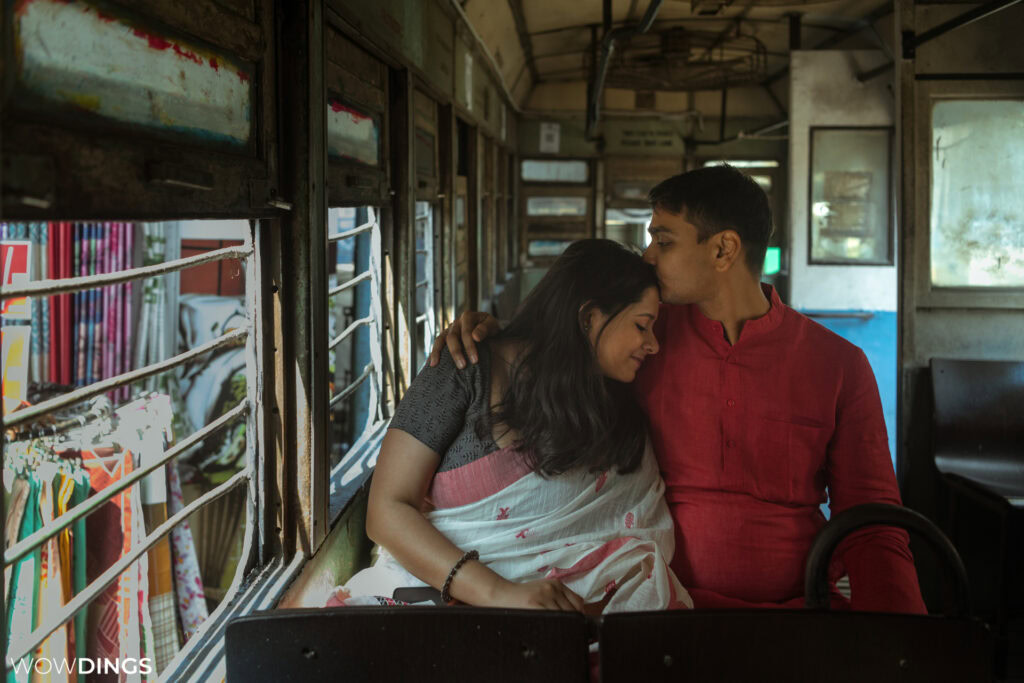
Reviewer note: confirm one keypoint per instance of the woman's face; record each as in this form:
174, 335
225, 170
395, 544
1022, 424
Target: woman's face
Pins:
627, 338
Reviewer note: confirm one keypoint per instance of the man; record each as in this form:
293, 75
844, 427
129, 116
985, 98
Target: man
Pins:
755, 411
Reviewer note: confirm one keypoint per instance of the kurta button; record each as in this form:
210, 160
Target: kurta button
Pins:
730, 443
731, 403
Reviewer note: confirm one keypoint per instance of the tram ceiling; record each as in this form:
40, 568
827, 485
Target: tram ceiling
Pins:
692, 44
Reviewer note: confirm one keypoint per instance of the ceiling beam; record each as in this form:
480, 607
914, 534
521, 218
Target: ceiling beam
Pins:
524, 36
853, 29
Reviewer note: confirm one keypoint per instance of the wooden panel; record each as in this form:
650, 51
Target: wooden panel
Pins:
208, 21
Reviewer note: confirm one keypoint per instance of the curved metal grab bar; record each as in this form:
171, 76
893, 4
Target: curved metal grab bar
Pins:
816, 585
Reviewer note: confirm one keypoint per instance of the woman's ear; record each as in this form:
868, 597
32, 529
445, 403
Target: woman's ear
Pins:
586, 317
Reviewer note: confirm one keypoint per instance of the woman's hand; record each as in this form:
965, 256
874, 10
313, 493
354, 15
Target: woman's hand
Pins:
462, 336
540, 594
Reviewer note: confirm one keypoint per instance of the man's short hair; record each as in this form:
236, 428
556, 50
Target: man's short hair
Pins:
717, 198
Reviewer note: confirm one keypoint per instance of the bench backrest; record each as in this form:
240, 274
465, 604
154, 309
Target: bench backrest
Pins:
978, 400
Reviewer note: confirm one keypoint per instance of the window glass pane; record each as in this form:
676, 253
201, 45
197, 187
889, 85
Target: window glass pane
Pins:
744, 163
73, 54
765, 181
352, 134
547, 247
977, 207
556, 206
628, 226
849, 212
562, 171
632, 189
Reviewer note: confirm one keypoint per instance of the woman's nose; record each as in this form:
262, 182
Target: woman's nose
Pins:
649, 254
651, 344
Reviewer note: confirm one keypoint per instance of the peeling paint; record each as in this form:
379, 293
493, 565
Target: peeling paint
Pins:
72, 53
352, 134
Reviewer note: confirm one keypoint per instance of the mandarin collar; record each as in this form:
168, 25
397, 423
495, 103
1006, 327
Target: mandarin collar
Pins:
714, 332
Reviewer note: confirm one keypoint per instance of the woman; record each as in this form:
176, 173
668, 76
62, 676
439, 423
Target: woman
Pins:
526, 480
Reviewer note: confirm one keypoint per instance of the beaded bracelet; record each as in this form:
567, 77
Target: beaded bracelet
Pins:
445, 595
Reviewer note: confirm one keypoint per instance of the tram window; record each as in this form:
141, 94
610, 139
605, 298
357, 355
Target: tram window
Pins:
628, 226
142, 389
426, 313
354, 327
743, 163
552, 171
547, 248
977, 209
556, 206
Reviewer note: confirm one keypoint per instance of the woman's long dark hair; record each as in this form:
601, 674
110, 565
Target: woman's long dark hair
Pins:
567, 413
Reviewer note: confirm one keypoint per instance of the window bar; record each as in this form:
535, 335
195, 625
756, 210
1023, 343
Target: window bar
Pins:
362, 277
349, 330
95, 389
422, 283
25, 546
77, 284
377, 395
353, 232
30, 642
422, 318
347, 391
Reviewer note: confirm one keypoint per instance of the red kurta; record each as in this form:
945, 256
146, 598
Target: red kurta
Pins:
748, 438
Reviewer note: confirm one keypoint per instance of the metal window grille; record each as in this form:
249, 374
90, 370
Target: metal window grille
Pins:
366, 250
426, 309
24, 644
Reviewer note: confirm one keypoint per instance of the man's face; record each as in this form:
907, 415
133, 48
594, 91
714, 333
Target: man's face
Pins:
685, 267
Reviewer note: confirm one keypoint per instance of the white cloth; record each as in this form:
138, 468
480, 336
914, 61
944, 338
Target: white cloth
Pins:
598, 533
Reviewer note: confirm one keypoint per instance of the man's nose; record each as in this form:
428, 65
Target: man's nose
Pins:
649, 253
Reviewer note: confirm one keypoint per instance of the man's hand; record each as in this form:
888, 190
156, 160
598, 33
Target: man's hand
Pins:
462, 336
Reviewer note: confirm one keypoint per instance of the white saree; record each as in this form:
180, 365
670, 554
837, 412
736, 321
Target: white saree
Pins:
605, 536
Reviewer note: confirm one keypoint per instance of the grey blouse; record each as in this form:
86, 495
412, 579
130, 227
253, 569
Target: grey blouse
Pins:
442, 406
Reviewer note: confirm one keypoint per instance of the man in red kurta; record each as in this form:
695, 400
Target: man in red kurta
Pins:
756, 412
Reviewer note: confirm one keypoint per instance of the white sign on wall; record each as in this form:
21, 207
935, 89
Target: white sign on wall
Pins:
550, 137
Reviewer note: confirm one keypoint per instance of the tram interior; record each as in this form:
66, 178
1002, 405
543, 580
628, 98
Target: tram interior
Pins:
232, 230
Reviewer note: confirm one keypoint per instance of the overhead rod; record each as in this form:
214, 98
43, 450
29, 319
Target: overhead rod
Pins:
607, 48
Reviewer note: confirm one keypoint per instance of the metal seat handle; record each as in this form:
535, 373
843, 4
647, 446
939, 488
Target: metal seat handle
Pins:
816, 583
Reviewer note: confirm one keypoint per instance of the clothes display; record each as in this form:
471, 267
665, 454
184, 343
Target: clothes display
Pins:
97, 322
46, 476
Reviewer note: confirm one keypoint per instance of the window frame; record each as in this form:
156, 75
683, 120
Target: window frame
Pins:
928, 92
890, 229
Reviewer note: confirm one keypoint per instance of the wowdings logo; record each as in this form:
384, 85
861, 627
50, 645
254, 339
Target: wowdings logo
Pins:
47, 666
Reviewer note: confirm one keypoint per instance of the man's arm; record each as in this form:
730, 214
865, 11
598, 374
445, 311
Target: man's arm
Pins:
462, 335
859, 470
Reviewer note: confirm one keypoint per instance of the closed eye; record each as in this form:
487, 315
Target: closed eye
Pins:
641, 327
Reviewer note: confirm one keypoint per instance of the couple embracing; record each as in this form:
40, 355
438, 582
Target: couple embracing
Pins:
652, 432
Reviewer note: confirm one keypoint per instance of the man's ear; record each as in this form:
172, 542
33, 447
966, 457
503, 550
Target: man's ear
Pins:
728, 246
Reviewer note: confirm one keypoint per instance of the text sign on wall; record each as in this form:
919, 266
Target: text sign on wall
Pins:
642, 137
16, 256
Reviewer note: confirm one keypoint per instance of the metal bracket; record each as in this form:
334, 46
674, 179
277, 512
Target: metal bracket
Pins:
262, 193
28, 181
179, 175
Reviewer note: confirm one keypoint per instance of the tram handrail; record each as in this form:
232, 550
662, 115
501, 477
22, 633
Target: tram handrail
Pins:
816, 583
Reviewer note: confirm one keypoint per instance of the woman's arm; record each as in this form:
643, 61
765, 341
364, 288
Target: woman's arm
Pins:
395, 520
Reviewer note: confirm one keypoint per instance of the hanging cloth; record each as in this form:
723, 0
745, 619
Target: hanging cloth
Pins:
21, 604
50, 598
